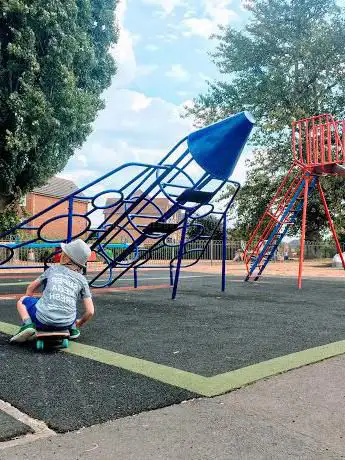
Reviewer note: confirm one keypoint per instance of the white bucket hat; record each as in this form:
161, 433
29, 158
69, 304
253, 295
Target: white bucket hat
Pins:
78, 251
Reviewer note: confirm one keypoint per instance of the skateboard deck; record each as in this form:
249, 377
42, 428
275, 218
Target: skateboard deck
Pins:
51, 339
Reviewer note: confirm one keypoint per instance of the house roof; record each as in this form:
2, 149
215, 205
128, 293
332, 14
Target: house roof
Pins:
57, 187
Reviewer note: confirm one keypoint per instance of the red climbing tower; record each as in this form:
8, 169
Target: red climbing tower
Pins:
318, 145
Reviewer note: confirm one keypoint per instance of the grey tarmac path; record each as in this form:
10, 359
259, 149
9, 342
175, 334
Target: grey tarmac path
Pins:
297, 415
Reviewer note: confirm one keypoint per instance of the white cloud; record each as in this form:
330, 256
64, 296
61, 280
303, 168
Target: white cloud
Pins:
203, 81
140, 102
121, 8
78, 176
202, 27
136, 38
151, 47
189, 13
183, 93
204, 76
189, 103
240, 171
145, 70
168, 6
123, 51
157, 122
216, 13
177, 72
169, 37
219, 11
132, 127
80, 160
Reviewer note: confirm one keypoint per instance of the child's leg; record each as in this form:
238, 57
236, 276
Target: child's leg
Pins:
74, 332
26, 307
23, 311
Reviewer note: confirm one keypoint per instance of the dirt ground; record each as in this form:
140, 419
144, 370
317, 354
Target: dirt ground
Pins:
319, 268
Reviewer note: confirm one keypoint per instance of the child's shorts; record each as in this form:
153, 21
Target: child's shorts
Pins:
30, 304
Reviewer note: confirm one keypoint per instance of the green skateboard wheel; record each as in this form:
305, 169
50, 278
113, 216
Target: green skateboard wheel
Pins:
39, 345
65, 343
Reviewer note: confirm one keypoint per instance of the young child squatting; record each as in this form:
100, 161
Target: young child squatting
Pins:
63, 285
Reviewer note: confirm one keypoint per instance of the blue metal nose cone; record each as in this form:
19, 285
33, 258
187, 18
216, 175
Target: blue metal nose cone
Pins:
218, 147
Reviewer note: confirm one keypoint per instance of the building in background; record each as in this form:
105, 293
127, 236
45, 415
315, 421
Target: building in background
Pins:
50, 193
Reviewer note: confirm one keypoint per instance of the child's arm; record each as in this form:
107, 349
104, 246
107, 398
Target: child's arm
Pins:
89, 312
30, 290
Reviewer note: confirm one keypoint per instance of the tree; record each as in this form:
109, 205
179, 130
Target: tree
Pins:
287, 63
55, 62
210, 224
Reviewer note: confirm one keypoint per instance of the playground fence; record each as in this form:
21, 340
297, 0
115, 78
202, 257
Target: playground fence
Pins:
319, 250
210, 251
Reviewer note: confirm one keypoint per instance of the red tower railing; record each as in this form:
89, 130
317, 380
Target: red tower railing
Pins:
318, 141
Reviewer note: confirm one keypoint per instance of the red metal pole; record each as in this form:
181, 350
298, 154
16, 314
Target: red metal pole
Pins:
329, 142
316, 134
294, 140
336, 141
300, 146
313, 145
304, 220
307, 134
322, 144
343, 139
330, 221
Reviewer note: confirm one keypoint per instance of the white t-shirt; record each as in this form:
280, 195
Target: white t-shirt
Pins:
63, 288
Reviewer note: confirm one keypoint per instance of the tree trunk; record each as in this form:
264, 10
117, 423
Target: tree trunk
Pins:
7, 203
312, 234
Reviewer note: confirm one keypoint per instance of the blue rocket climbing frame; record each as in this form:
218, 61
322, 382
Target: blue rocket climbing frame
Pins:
190, 177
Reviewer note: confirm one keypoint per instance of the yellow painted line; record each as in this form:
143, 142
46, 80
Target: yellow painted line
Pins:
222, 383
182, 379
204, 386
17, 283
9, 329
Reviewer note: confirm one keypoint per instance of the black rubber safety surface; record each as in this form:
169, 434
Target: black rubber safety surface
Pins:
203, 331
11, 428
69, 392
208, 332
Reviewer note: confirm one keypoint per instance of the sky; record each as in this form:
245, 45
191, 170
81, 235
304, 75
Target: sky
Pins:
163, 63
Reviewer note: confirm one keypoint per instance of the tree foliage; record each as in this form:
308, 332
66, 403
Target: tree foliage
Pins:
8, 219
211, 227
55, 62
287, 63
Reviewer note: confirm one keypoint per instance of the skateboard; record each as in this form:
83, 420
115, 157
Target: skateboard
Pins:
52, 339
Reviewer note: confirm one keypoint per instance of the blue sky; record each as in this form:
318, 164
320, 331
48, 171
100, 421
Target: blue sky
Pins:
172, 44
163, 62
